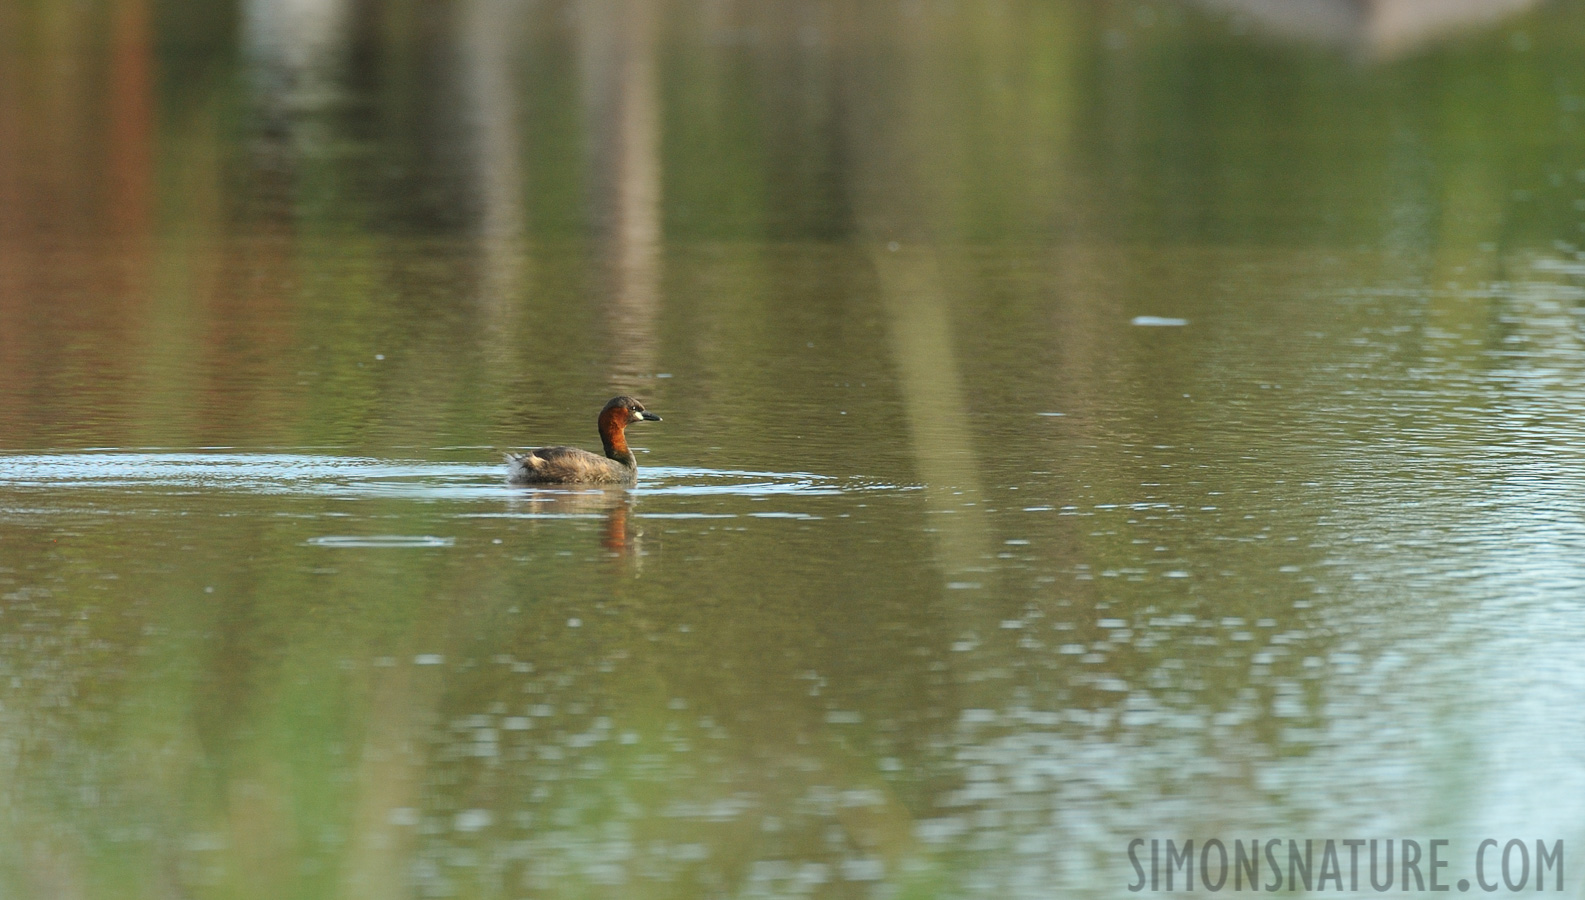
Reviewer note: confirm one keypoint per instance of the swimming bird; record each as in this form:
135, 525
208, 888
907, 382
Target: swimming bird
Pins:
570, 465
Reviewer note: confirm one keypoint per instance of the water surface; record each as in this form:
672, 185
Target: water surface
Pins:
1082, 422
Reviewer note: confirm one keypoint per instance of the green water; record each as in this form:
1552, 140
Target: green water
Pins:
947, 574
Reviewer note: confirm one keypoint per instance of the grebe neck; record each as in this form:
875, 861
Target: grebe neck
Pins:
613, 435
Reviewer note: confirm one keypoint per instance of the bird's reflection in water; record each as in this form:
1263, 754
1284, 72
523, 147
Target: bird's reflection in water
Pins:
616, 503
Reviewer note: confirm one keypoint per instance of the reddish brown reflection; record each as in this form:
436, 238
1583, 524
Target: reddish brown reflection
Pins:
77, 207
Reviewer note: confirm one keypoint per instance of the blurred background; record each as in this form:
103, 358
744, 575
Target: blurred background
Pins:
1083, 421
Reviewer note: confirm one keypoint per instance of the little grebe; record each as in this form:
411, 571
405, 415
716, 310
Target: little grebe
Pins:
569, 465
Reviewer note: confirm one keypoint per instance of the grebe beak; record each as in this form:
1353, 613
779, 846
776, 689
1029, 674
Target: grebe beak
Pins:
649, 417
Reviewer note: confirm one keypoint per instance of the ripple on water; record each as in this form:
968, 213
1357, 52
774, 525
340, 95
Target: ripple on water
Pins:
381, 540
278, 474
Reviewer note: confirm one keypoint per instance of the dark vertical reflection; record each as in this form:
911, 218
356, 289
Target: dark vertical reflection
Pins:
131, 122
13, 345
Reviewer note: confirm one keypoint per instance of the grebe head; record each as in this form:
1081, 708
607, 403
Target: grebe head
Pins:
620, 412
623, 411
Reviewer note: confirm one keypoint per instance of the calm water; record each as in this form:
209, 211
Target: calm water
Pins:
1082, 422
